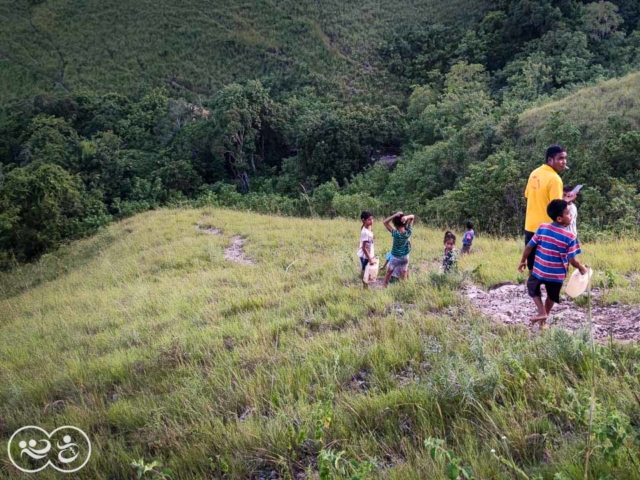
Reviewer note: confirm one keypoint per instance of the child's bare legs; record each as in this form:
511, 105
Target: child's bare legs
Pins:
548, 305
363, 264
542, 313
544, 309
387, 276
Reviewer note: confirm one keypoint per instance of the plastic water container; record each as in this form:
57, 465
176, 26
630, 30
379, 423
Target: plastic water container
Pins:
578, 283
371, 272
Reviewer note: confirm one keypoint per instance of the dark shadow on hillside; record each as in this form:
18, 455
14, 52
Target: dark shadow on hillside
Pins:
54, 265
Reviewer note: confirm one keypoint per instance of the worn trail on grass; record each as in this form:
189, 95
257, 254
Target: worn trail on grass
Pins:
510, 304
235, 252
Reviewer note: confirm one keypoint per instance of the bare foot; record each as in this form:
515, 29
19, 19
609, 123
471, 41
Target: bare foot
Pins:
544, 325
536, 319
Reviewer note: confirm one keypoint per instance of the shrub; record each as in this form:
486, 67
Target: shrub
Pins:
44, 205
351, 206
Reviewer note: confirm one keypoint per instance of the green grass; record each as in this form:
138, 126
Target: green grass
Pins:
147, 339
196, 46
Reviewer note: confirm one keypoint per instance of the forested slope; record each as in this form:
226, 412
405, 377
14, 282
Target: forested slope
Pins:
196, 46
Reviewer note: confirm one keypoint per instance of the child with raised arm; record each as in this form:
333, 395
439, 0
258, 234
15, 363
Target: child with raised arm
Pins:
556, 249
400, 232
365, 249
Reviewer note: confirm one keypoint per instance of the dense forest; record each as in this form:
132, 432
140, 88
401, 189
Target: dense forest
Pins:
319, 109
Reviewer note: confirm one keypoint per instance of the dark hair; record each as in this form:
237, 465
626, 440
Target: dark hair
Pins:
552, 151
555, 209
397, 222
365, 214
448, 235
469, 224
567, 188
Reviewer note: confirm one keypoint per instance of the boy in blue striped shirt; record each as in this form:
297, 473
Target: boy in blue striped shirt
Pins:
556, 248
401, 244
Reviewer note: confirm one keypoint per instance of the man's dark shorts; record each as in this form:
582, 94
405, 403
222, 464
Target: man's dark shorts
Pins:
553, 288
532, 256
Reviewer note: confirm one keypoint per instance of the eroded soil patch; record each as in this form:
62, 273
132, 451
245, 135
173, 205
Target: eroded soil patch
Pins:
510, 304
235, 252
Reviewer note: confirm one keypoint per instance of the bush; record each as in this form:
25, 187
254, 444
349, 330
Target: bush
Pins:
270, 204
351, 206
322, 198
43, 205
491, 195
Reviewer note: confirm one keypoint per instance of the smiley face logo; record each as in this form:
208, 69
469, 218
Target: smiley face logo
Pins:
32, 449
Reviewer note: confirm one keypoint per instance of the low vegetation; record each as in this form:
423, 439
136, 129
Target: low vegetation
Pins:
175, 359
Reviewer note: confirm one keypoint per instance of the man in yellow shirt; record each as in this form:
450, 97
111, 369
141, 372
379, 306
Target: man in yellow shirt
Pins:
543, 186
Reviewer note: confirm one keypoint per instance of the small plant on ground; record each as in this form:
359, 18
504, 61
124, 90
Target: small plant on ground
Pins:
334, 465
151, 470
609, 282
453, 468
477, 275
612, 434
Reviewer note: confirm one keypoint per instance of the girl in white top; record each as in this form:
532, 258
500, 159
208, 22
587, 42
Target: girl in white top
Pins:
366, 249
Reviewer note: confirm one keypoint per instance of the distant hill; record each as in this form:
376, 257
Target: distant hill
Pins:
194, 45
591, 106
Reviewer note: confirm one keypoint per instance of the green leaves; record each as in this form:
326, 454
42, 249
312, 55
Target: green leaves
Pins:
238, 113
335, 466
334, 140
151, 470
44, 205
453, 465
52, 140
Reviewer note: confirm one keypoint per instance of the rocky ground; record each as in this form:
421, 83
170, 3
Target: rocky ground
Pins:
510, 304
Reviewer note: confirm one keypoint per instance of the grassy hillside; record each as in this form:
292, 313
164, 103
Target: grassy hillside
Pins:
148, 339
591, 107
194, 45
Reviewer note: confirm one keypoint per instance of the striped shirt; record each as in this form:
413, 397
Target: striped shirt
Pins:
401, 245
555, 246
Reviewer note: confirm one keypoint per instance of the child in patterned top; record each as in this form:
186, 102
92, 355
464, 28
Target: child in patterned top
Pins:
450, 256
401, 244
556, 248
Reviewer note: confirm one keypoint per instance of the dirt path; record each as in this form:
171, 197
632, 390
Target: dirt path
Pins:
235, 253
510, 304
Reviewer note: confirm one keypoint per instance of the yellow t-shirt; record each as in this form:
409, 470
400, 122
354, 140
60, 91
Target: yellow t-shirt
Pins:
543, 186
